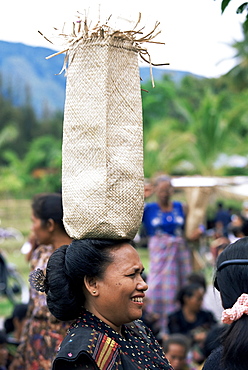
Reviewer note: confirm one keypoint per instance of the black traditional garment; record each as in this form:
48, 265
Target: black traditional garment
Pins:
177, 322
92, 344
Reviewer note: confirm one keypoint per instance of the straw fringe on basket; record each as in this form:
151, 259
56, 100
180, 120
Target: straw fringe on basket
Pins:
80, 31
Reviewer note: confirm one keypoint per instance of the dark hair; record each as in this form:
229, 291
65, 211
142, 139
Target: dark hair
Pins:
244, 228
180, 339
19, 312
3, 337
49, 205
66, 269
213, 339
187, 291
232, 281
197, 278
162, 178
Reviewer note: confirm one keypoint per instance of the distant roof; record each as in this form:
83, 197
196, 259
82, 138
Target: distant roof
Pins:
229, 187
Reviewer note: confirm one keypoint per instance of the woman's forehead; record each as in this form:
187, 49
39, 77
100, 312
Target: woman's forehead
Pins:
163, 184
126, 254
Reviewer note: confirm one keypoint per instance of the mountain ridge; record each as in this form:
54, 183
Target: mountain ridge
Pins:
27, 76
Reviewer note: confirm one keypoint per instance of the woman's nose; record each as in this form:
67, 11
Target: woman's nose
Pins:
142, 285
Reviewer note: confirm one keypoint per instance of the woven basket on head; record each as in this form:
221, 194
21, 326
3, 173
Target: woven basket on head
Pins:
102, 154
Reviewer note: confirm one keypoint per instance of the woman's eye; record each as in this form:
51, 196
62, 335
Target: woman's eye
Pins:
143, 275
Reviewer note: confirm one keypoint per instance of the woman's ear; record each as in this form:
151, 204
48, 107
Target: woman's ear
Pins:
50, 224
91, 285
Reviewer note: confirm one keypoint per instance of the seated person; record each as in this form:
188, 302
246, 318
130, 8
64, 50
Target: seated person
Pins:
191, 319
13, 325
176, 348
13, 328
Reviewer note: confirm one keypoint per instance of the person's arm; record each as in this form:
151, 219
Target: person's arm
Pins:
195, 233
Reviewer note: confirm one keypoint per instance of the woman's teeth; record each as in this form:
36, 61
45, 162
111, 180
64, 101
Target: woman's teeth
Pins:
137, 299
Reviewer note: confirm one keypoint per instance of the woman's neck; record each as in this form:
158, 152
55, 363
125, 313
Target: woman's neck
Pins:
189, 315
89, 307
61, 239
165, 206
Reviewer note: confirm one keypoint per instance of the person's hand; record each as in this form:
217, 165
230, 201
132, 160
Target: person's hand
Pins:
197, 233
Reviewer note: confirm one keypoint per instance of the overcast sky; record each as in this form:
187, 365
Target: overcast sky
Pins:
196, 35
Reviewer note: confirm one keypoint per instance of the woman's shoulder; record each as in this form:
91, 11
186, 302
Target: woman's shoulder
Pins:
208, 315
43, 249
151, 206
177, 204
85, 342
175, 314
40, 256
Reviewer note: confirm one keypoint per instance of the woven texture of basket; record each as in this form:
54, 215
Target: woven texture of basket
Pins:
102, 153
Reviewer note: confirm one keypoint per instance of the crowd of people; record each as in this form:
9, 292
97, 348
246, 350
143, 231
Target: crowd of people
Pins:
93, 307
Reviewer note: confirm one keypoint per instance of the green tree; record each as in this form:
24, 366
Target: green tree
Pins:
7, 135
51, 125
241, 8
38, 171
237, 77
158, 102
211, 132
194, 146
43, 164
164, 147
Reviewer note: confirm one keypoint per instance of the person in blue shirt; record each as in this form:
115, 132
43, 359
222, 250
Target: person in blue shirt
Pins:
170, 257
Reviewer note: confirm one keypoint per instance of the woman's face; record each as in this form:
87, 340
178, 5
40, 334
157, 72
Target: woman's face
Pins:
164, 191
41, 231
120, 292
177, 356
194, 303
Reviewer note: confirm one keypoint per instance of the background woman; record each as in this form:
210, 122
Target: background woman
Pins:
99, 283
170, 257
191, 320
43, 332
232, 282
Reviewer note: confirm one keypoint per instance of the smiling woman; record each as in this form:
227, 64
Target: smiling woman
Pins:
99, 283
121, 286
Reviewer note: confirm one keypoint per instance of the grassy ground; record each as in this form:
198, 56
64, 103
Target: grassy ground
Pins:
13, 256
14, 214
